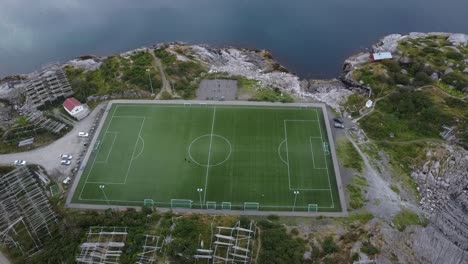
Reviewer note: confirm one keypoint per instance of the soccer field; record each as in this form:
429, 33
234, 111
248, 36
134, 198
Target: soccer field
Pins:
226, 157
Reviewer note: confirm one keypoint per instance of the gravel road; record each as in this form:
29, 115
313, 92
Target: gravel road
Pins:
49, 156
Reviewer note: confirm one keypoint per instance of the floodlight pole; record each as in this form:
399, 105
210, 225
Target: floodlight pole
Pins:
151, 82
296, 193
200, 190
105, 196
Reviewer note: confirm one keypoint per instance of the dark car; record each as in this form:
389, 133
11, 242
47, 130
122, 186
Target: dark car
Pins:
339, 120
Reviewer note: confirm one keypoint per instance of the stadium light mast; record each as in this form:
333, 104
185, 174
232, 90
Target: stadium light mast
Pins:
296, 193
151, 83
105, 196
200, 190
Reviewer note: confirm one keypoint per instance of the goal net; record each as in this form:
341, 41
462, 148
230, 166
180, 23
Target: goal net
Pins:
181, 203
250, 206
226, 206
211, 205
148, 203
312, 208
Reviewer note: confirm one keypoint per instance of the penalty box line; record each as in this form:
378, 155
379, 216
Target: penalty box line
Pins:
310, 141
131, 159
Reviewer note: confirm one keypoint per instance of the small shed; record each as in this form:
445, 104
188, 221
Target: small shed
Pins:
380, 56
75, 108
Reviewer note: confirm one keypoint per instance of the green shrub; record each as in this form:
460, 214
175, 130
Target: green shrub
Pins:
421, 78
349, 156
329, 246
454, 55
369, 249
406, 218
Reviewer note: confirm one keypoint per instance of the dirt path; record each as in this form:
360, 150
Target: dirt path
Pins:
3, 259
259, 245
166, 86
379, 189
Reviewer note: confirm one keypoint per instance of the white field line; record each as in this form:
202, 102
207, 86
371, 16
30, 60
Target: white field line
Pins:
279, 152
287, 152
209, 154
312, 152
110, 150
142, 148
134, 149
95, 156
326, 165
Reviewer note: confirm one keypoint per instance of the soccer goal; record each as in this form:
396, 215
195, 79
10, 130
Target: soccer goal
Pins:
203, 104
312, 208
210, 205
226, 206
181, 203
148, 203
187, 104
249, 206
326, 148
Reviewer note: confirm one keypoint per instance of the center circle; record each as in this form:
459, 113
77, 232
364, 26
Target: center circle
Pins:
209, 150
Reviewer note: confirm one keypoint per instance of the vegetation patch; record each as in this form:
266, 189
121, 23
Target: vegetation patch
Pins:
406, 218
349, 156
278, 246
356, 191
183, 75
116, 75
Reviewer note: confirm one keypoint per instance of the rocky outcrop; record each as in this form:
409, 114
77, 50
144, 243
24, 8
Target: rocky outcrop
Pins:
443, 181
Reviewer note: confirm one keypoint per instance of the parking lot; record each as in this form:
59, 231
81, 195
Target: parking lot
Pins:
49, 156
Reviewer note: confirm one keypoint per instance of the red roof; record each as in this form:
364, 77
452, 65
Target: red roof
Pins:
71, 103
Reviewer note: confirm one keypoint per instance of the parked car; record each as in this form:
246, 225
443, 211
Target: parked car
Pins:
67, 180
20, 162
65, 162
83, 134
338, 120
339, 125
66, 156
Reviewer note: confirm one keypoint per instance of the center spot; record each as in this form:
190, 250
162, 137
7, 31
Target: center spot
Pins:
209, 150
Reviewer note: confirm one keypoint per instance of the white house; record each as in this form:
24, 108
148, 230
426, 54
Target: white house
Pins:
75, 108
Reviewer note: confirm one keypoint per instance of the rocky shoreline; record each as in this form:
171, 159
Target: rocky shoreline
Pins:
442, 180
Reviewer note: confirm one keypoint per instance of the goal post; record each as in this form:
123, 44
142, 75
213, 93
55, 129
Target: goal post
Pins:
226, 206
181, 203
312, 208
251, 206
148, 203
211, 205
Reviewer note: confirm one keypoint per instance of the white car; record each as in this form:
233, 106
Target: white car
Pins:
67, 180
66, 156
20, 162
83, 134
65, 162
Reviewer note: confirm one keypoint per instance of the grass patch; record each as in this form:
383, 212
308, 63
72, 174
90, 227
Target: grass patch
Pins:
116, 75
349, 156
406, 218
395, 189
185, 75
356, 192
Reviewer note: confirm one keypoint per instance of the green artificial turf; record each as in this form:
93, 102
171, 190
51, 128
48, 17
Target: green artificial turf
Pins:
235, 154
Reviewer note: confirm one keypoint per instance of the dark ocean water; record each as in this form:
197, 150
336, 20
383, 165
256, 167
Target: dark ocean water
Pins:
310, 37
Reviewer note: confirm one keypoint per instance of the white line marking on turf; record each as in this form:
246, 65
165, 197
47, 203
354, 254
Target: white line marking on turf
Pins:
209, 154
134, 148
189, 150
94, 160
142, 148
287, 152
279, 152
326, 165
110, 150
312, 152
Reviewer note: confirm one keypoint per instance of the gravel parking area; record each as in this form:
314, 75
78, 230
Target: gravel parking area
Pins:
217, 90
49, 156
